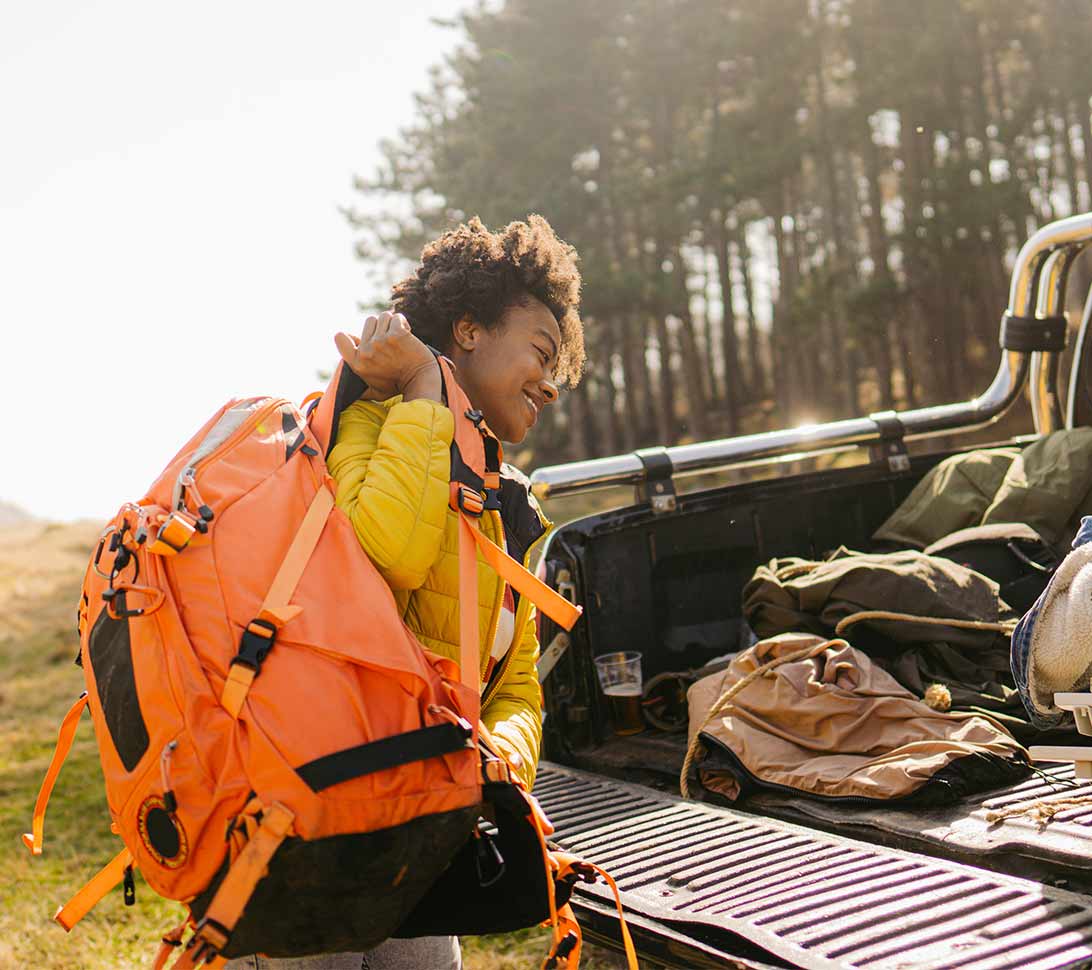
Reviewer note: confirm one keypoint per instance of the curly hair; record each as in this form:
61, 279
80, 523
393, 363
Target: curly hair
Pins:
470, 271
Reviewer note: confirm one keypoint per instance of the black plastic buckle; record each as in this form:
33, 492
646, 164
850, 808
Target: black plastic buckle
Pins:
564, 948
209, 938
253, 647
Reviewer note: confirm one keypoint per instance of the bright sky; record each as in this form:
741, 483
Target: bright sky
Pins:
169, 226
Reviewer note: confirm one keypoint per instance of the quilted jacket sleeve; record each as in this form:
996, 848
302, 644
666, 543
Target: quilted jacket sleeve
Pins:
513, 714
392, 465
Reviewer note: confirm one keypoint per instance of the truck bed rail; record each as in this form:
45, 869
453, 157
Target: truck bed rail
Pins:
1037, 295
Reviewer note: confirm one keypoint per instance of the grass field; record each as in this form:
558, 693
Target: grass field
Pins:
41, 566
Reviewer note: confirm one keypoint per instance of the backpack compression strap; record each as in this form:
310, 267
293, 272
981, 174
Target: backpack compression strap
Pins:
214, 929
100, 884
260, 633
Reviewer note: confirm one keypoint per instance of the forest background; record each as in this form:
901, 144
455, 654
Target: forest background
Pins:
787, 212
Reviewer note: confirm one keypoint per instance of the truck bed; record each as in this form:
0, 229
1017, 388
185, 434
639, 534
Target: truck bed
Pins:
727, 888
843, 883
1057, 852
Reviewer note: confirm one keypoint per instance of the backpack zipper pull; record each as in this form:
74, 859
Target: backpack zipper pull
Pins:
170, 803
128, 886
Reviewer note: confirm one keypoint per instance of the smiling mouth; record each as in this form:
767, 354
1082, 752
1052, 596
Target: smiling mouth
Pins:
531, 404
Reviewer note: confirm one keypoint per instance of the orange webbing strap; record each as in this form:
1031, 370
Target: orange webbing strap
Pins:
551, 898
172, 939
65, 736
236, 687
276, 609
214, 929
558, 865
469, 655
501, 769
549, 601
570, 932
627, 940
101, 883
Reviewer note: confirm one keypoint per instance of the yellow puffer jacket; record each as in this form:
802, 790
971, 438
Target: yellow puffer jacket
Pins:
392, 465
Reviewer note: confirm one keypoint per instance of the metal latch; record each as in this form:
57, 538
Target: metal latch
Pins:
552, 654
549, 657
658, 487
890, 448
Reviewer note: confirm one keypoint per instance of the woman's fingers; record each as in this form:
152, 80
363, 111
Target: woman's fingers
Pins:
369, 329
345, 346
383, 326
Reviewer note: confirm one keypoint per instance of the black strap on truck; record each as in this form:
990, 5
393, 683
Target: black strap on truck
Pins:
1030, 334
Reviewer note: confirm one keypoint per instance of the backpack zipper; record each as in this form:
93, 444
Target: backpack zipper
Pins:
192, 469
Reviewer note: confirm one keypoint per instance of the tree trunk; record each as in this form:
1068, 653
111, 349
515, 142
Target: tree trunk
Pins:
667, 421
577, 406
757, 382
708, 330
728, 340
786, 381
636, 400
843, 359
693, 367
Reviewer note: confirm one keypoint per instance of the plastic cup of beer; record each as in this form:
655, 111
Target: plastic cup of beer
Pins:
620, 678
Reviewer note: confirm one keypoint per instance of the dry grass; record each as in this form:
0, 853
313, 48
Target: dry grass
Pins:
41, 567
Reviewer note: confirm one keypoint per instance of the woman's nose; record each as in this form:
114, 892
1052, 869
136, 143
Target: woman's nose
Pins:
549, 391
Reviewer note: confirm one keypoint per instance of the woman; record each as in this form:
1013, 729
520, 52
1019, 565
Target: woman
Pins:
503, 307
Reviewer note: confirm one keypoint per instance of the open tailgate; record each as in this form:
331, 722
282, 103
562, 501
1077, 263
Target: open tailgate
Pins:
709, 886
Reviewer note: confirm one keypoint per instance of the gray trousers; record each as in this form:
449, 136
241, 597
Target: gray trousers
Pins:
420, 953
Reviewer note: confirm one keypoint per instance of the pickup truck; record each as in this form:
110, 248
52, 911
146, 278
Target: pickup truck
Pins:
778, 879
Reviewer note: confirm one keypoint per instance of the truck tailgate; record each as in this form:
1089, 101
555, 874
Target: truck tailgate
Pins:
804, 898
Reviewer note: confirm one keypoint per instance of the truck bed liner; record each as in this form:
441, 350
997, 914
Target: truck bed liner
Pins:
809, 899
1057, 851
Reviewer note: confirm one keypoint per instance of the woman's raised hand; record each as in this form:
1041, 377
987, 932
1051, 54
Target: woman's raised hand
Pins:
390, 359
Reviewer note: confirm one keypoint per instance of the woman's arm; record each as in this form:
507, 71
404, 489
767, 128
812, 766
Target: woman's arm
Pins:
392, 467
392, 462
513, 715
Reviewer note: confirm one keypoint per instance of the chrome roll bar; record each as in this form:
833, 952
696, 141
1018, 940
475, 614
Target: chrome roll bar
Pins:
1046, 405
1037, 289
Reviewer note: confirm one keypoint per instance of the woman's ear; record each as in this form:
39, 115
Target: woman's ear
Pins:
465, 333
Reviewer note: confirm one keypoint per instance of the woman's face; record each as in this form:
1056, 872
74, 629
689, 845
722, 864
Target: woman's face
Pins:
507, 371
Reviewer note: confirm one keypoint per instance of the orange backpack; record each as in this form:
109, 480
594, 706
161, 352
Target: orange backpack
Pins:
280, 753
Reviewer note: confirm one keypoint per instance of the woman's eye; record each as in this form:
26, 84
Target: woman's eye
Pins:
544, 355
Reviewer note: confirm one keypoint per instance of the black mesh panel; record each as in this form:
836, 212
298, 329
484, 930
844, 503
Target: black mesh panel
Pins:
111, 657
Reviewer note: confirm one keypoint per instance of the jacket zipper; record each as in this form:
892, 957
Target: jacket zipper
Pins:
494, 619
